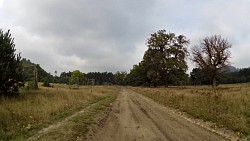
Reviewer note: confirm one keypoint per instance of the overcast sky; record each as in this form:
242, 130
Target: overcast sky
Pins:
110, 35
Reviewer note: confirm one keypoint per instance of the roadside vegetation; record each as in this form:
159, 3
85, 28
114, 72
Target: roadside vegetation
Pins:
77, 126
227, 106
33, 110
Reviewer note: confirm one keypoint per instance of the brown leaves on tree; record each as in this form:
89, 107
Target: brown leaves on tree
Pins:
212, 56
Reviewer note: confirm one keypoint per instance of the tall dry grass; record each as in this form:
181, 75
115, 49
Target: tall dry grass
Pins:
228, 105
35, 109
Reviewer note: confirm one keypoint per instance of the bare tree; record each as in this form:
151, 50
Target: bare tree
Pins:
212, 56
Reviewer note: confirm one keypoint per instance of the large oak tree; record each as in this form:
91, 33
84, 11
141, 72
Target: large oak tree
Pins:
165, 58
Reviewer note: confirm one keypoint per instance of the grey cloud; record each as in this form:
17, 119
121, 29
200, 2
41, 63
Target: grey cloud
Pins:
110, 35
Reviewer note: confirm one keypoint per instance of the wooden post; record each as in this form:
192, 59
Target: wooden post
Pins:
35, 78
35, 75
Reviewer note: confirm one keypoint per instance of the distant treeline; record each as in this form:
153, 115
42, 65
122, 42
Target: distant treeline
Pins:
136, 77
29, 71
99, 78
232, 76
241, 76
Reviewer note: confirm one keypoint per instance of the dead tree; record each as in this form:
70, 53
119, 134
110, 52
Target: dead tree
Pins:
212, 56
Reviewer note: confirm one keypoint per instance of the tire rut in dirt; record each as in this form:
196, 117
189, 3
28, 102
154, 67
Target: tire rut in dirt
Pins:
137, 118
145, 112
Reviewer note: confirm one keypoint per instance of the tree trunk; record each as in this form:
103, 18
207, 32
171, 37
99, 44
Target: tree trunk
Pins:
166, 84
214, 83
35, 78
154, 84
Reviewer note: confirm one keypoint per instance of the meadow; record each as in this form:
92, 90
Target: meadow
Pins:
227, 106
21, 117
33, 110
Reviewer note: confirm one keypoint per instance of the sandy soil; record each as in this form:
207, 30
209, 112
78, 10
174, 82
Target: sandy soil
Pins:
136, 118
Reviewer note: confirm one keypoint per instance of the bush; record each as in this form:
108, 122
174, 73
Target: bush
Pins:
46, 82
30, 85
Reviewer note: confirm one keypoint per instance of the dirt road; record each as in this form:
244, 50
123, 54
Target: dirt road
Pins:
136, 118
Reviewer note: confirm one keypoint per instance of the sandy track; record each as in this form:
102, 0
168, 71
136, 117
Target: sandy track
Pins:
55, 126
136, 118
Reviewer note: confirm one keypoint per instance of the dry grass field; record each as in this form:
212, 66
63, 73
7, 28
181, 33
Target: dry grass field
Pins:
20, 118
35, 109
228, 106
